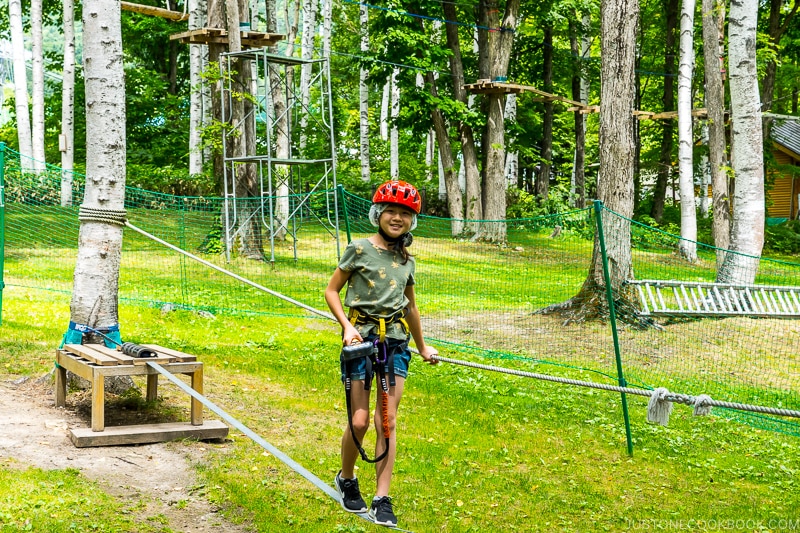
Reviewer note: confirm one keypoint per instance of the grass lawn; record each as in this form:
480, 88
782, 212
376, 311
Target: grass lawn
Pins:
476, 451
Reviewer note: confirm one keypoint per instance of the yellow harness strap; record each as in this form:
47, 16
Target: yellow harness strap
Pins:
356, 317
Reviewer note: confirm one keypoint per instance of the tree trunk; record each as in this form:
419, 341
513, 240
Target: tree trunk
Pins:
512, 158
473, 211
713, 39
454, 203
20, 85
384, 118
688, 246
543, 181
307, 53
394, 146
499, 52
363, 93
577, 189
96, 280
747, 160
67, 139
327, 16
216, 19
37, 51
667, 126
196, 17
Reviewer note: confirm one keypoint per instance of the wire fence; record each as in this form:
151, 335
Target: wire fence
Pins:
530, 301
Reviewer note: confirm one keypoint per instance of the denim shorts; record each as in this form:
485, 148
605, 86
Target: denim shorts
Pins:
357, 368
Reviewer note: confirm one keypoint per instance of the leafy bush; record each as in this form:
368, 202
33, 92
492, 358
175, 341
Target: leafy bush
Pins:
169, 180
783, 238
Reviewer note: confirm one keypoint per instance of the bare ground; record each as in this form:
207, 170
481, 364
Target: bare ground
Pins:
157, 476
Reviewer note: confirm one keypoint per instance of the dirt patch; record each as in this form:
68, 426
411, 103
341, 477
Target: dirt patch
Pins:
159, 475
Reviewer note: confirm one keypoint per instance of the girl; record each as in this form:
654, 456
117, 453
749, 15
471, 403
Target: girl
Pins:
379, 273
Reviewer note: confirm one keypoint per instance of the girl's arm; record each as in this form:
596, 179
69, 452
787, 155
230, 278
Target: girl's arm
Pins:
415, 325
338, 280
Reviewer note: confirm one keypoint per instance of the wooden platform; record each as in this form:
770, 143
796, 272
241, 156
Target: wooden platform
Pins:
147, 434
94, 362
250, 39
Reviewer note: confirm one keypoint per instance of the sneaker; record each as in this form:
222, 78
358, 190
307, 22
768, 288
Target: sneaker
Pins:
381, 512
351, 497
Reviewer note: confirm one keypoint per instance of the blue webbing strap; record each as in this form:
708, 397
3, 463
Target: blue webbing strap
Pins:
291, 463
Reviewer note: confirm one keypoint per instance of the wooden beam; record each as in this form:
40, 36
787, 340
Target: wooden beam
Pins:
250, 39
484, 86
147, 433
154, 11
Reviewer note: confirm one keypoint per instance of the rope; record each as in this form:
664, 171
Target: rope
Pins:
702, 403
105, 216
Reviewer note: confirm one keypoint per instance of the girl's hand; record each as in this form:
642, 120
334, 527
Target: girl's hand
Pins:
351, 336
428, 353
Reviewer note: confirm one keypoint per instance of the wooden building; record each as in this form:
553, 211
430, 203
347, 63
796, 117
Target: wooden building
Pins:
784, 195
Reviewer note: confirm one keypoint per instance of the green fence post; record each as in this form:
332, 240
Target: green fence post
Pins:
2, 224
344, 212
598, 210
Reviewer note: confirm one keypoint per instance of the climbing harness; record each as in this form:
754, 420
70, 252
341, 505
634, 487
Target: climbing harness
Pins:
375, 354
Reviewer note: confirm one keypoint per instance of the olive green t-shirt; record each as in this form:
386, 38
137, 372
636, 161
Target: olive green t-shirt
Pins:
378, 280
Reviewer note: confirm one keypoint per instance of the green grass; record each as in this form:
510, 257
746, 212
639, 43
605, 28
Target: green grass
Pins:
56, 501
477, 451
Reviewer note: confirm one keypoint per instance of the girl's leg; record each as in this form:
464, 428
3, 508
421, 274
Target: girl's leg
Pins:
383, 469
359, 404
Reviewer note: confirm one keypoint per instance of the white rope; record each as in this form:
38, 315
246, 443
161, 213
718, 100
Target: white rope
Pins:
704, 401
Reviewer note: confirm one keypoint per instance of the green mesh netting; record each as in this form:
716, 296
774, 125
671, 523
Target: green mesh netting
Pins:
479, 300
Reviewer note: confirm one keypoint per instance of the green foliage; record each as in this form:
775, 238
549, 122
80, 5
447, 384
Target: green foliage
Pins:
54, 501
169, 180
783, 238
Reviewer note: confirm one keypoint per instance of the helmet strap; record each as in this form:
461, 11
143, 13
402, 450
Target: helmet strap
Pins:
400, 242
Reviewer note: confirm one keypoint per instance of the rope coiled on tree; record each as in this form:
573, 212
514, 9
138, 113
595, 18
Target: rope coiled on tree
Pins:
104, 216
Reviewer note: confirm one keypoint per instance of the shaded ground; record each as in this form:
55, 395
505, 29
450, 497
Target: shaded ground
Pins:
160, 476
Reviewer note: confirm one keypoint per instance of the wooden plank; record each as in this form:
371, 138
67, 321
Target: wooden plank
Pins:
180, 356
91, 354
154, 11
147, 433
127, 359
119, 356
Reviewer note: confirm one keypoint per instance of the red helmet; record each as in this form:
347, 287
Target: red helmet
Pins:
398, 192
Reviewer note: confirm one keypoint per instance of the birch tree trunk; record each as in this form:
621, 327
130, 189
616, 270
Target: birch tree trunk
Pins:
363, 96
512, 158
20, 85
37, 51
327, 15
96, 280
281, 99
713, 38
499, 52
196, 18
688, 246
306, 52
394, 147
67, 138
384, 125
747, 158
